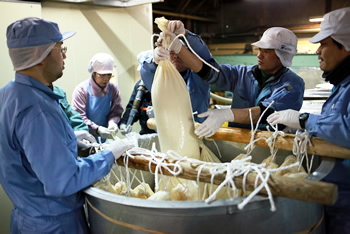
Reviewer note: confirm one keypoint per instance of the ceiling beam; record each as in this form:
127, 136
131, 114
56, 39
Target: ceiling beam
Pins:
185, 16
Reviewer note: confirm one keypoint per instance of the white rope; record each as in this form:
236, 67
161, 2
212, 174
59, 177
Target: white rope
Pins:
300, 145
188, 44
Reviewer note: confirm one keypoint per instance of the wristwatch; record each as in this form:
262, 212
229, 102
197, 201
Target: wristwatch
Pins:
302, 119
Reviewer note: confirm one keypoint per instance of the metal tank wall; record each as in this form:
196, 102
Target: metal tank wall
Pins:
111, 213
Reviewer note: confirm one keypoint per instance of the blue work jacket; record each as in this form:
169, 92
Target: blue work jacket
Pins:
333, 125
198, 89
39, 169
286, 91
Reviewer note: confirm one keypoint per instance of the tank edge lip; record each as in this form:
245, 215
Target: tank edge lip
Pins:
222, 203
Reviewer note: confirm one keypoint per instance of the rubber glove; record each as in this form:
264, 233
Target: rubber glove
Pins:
113, 127
104, 132
289, 117
216, 118
84, 135
175, 26
118, 147
160, 53
150, 112
175, 44
125, 129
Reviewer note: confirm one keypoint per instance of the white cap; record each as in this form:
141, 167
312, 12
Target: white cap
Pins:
101, 63
282, 40
335, 24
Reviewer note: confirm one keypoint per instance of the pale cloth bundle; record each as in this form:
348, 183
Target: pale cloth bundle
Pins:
173, 112
174, 119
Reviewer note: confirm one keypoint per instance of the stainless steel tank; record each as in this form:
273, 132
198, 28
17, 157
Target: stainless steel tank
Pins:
111, 213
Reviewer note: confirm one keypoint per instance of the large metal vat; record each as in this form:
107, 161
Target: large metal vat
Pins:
111, 213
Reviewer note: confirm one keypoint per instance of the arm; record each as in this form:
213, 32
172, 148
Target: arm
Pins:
147, 68
55, 165
334, 123
243, 116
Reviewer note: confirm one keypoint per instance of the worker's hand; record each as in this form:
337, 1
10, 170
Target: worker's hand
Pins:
113, 127
216, 118
150, 112
125, 129
175, 44
104, 132
175, 26
84, 138
118, 147
160, 53
288, 117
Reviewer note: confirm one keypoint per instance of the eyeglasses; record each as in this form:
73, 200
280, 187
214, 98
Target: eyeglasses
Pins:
105, 76
62, 49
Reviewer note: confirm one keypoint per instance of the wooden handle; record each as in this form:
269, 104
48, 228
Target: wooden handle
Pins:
305, 190
241, 135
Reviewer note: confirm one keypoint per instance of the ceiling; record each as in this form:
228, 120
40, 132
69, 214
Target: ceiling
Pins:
234, 21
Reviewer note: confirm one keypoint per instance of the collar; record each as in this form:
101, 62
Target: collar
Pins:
30, 81
258, 76
339, 73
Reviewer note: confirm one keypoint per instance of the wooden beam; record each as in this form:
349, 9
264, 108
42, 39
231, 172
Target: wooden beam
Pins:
300, 189
319, 147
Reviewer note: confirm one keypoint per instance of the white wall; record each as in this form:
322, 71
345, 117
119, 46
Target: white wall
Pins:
121, 32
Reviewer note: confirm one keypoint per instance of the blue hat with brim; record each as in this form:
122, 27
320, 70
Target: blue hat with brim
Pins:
30, 32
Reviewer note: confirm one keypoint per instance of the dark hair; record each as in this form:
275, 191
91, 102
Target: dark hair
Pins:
338, 44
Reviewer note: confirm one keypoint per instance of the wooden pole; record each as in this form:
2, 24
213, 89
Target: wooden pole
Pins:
305, 190
319, 147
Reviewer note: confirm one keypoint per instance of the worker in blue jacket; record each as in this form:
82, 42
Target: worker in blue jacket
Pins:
39, 168
198, 89
255, 87
333, 124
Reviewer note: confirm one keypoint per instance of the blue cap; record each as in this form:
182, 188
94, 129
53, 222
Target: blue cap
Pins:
31, 31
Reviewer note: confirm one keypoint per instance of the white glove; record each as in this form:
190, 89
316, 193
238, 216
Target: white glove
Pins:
125, 129
150, 112
118, 147
288, 117
175, 44
104, 132
175, 26
160, 53
84, 136
216, 118
113, 127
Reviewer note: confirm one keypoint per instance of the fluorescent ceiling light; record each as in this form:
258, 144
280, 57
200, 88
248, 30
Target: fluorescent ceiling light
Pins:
316, 19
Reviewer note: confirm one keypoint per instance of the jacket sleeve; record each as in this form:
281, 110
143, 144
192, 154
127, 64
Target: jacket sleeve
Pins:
55, 162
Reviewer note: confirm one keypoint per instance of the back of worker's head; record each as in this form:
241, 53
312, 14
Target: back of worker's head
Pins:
282, 40
101, 63
335, 24
31, 39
